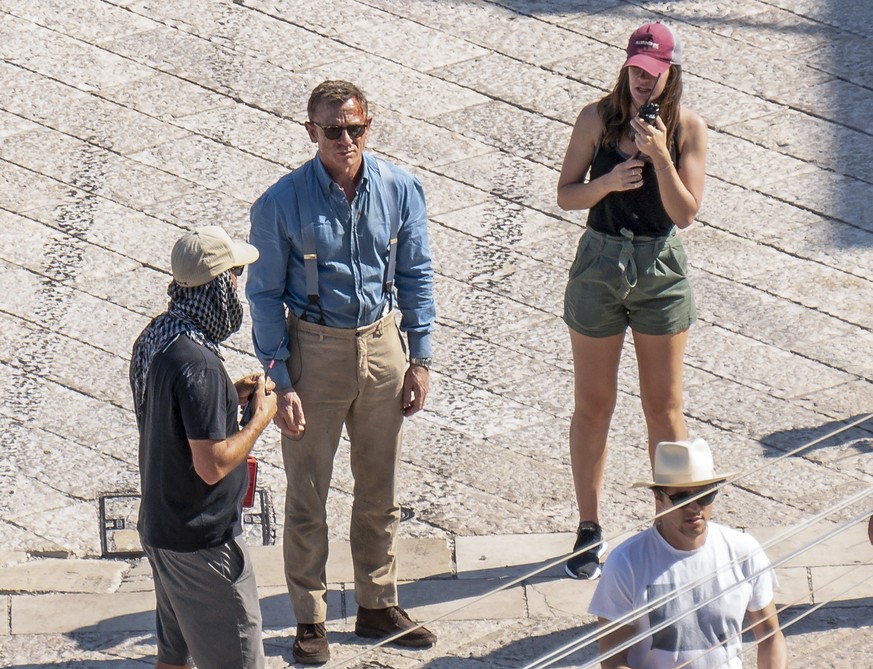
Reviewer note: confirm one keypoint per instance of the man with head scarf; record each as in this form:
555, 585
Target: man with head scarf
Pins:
192, 460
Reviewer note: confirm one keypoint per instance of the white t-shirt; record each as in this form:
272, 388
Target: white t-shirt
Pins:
646, 567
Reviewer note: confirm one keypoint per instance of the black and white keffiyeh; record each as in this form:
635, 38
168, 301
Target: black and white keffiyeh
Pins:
208, 314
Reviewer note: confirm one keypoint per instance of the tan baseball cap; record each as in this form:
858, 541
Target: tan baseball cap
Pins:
202, 254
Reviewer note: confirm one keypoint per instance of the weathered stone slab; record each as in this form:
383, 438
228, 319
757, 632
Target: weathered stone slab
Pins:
424, 48
774, 77
458, 600
515, 179
519, 83
542, 488
66, 109
277, 139
214, 166
69, 467
23, 190
50, 53
445, 194
500, 223
58, 614
13, 124
53, 575
58, 256
848, 548
814, 286
547, 598
166, 97
511, 556
66, 525
92, 169
138, 577
764, 367
400, 88
90, 20
793, 588
728, 157
840, 586
498, 124
813, 140
400, 138
836, 98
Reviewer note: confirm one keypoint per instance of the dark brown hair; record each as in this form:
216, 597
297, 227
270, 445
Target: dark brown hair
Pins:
337, 91
615, 107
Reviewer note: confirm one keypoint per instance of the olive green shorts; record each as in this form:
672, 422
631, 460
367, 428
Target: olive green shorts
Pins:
641, 282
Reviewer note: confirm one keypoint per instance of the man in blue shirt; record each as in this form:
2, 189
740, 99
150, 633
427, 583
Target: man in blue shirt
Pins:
343, 242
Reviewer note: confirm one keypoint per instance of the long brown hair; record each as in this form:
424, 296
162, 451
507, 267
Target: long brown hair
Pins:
615, 107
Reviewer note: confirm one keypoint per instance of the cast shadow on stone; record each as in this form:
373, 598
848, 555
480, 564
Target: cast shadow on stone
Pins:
859, 438
110, 637
435, 590
847, 614
113, 635
523, 651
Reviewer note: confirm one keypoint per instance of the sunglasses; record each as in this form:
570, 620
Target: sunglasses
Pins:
237, 271
679, 497
333, 132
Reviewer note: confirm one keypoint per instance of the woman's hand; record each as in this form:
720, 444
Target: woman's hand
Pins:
627, 175
651, 140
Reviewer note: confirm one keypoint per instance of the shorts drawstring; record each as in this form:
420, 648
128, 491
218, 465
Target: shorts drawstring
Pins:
626, 263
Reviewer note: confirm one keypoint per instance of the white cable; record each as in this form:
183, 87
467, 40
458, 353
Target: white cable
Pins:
576, 645
596, 635
557, 561
666, 623
785, 625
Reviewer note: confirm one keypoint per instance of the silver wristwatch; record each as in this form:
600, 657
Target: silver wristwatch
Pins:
421, 362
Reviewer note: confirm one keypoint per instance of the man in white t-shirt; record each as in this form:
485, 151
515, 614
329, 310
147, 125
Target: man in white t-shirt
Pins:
686, 580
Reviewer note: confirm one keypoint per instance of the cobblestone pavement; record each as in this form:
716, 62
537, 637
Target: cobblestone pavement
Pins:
125, 122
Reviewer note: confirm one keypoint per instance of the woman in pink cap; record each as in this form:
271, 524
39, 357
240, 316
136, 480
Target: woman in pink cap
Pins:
636, 161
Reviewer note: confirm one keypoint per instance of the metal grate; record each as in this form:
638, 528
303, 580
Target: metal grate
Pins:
118, 531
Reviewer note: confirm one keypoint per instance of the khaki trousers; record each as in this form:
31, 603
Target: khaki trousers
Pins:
352, 377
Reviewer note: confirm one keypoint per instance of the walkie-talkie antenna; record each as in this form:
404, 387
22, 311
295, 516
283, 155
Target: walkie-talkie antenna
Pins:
651, 92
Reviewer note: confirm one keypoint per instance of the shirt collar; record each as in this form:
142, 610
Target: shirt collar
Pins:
324, 180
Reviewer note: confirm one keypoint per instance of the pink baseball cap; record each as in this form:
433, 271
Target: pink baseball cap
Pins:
654, 47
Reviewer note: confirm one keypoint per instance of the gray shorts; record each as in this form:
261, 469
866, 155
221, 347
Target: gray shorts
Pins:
641, 282
207, 607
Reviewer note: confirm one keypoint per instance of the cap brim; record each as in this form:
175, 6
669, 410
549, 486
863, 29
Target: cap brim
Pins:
654, 66
244, 253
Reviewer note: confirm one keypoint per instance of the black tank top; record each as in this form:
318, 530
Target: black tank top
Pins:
639, 210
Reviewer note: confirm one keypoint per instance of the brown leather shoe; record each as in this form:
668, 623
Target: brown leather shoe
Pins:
310, 646
379, 623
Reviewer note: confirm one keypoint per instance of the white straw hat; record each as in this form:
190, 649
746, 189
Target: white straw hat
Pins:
202, 254
681, 464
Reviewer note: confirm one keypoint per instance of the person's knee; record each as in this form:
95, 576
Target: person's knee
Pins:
662, 408
594, 410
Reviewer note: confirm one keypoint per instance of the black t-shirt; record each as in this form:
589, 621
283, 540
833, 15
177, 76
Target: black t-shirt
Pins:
188, 396
639, 210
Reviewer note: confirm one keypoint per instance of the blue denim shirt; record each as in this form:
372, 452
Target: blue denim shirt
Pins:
352, 245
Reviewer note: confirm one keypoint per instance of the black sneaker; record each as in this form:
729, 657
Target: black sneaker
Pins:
587, 565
